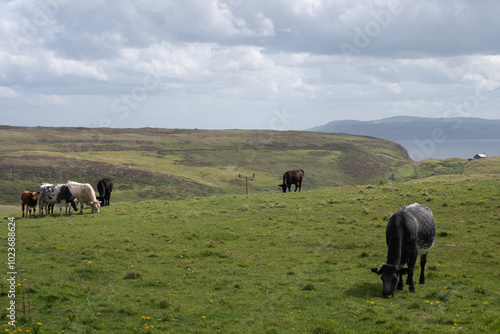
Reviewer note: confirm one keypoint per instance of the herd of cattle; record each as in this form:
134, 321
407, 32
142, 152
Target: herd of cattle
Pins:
411, 231
71, 194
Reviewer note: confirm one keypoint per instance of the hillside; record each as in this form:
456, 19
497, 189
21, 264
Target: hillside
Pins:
173, 164
411, 128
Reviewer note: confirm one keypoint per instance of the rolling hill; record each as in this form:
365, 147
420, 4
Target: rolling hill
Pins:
411, 128
173, 164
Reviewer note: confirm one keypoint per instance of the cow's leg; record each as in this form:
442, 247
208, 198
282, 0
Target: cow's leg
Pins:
60, 209
400, 282
22, 206
411, 268
81, 206
423, 261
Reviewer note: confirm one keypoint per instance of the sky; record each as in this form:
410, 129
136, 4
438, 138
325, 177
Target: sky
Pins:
246, 64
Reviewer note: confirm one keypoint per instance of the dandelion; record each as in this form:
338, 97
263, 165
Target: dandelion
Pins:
485, 303
203, 317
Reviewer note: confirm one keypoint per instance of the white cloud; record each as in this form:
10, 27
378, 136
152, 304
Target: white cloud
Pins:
46, 100
7, 92
394, 88
66, 67
266, 25
221, 57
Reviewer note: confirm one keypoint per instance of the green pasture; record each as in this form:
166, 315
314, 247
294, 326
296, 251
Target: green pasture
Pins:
264, 263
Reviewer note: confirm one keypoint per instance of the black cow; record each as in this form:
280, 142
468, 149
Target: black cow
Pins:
411, 231
292, 177
104, 187
51, 194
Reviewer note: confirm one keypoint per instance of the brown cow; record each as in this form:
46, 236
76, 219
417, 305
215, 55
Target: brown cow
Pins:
29, 200
292, 177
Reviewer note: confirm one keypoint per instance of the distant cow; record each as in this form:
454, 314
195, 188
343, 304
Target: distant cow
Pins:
411, 231
85, 194
292, 177
29, 201
51, 194
104, 187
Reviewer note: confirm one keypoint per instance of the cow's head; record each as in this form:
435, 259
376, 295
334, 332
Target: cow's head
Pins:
101, 200
283, 186
95, 206
74, 203
390, 275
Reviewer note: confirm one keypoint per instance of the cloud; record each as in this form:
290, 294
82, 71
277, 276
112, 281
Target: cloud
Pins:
219, 60
46, 100
6, 92
394, 88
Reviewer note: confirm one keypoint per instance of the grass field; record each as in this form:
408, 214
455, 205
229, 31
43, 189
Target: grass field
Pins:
265, 263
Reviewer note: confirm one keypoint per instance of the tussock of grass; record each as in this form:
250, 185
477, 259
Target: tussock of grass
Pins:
133, 275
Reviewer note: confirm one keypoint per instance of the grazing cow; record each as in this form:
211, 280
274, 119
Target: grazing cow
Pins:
411, 231
51, 194
29, 201
85, 194
292, 177
104, 187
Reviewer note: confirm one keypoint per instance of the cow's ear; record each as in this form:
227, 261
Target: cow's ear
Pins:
377, 270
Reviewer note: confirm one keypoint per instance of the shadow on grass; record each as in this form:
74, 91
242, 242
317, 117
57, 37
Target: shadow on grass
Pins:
365, 290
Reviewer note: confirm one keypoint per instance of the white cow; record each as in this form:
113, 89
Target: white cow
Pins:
85, 194
55, 193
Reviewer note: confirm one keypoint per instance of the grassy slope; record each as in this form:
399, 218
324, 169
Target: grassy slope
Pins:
452, 166
174, 164
267, 263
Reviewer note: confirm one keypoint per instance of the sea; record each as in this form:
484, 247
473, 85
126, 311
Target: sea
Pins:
465, 149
